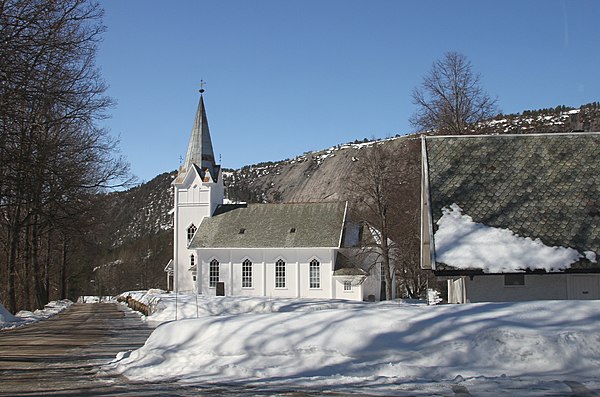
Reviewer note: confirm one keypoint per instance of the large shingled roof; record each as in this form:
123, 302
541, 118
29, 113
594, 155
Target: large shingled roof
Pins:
300, 225
544, 186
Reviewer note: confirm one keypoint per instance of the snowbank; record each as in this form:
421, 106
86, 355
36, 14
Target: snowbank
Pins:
464, 244
7, 318
360, 344
25, 317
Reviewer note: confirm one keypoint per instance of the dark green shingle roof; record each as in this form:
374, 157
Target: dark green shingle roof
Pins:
543, 186
270, 226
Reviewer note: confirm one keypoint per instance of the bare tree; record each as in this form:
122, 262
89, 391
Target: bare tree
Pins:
451, 98
385, 196
53, 155
372, 195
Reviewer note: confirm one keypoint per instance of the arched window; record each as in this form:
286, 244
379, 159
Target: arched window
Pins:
247, 274
190, 232
315, 274
280, 274
213, 273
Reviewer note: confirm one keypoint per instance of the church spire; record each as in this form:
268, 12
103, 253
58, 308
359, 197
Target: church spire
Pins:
200, 151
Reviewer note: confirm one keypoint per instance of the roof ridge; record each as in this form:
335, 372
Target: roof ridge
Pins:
301, 202
538, 134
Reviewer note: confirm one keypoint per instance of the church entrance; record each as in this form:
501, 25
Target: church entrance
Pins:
220, 288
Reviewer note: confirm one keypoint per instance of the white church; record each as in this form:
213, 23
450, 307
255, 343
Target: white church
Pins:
292, 250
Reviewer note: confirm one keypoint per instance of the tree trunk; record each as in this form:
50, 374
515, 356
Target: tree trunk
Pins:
37, 273
63, 270
47, 266
12, 266
27, 280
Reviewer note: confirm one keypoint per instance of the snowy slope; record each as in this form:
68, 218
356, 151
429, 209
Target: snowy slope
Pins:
375, 345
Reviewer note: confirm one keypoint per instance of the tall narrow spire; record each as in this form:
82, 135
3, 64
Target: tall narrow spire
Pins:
200, 151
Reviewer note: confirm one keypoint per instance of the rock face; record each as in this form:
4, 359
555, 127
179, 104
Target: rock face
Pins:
318, 176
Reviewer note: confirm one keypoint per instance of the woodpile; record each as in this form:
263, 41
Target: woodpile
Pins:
135, 305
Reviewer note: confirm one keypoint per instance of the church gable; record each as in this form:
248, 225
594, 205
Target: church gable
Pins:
293, 225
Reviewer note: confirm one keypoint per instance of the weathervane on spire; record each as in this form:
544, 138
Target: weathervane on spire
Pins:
201, 90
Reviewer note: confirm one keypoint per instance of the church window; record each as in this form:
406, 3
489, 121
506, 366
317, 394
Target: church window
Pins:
280, 274
347, 285
247, 274
213, 273
190, 232
315, 274
193, 267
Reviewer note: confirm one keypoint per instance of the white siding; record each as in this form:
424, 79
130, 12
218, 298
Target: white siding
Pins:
263, 273
194, 200
537, 287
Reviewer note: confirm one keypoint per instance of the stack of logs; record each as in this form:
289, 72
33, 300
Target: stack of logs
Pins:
135, 305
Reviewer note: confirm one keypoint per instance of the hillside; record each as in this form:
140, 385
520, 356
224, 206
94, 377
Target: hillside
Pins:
140, 218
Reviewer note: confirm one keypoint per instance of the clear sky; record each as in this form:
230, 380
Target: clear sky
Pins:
286, 77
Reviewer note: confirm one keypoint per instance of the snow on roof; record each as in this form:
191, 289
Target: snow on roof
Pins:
464, 244
544, 186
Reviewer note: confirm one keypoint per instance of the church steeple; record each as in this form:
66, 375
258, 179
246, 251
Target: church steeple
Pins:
200, 151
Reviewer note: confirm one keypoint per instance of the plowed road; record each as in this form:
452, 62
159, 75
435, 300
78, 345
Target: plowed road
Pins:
60, 356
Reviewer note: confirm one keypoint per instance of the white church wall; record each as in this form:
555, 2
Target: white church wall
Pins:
191, 206
297, 272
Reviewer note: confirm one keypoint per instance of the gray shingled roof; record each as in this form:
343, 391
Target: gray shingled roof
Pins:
543, 186
270, 226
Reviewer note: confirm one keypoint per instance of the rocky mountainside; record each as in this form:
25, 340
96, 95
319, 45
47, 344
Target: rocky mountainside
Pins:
141, 211
324, 175
141, 217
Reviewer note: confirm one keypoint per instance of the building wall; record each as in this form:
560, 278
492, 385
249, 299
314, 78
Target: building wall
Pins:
194, 200
263, 273
355, 294
372, 285
491, 288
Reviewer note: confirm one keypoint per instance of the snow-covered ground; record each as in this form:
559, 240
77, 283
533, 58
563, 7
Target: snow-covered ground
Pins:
25, 317
380, 346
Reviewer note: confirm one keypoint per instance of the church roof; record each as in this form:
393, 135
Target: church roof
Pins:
200, 151
544, 186
299, 225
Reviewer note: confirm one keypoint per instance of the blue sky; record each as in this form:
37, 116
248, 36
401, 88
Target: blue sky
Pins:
286, 77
